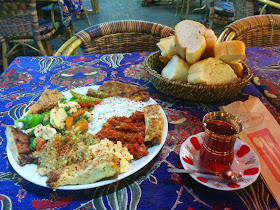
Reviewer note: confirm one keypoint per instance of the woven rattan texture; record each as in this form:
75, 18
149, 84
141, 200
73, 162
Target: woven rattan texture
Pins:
243, 8
184, 90
258, 30
19, 21
123, 37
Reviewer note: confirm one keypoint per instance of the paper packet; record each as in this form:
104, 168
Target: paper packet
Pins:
262, 133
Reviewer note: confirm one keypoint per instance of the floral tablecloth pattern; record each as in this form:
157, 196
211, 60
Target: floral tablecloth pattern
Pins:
152, 187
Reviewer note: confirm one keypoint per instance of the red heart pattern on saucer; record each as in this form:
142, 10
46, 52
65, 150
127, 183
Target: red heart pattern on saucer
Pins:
245, 161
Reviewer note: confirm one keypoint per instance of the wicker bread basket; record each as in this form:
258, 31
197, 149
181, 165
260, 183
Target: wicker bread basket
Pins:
184, 90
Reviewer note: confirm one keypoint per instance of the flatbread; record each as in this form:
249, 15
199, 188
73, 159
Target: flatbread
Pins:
109, 159
84, 172
154, 124
113, 88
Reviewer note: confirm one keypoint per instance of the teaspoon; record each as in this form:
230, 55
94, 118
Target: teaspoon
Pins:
227, 176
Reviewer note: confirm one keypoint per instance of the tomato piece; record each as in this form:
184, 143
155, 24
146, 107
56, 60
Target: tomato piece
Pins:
40, 144
78, 113
82, 124
86, 105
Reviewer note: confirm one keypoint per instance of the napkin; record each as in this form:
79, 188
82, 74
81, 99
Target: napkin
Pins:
262, 133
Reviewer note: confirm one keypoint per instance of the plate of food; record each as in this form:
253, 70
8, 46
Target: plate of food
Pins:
87, 137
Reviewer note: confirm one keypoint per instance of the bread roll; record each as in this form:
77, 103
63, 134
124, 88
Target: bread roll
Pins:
168, 48
230, 51
177, 69
211, 71
190, 40
237, 68
211, 42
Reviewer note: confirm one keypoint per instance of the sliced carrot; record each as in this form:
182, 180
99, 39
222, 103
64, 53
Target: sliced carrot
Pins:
82, 124
78, 113
40, 144
69, 123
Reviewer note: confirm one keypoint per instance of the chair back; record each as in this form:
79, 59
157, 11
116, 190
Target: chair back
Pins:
243, 8
118, 37
258, 30
19, 20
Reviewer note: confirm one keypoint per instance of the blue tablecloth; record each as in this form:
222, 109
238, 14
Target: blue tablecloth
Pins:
152, 187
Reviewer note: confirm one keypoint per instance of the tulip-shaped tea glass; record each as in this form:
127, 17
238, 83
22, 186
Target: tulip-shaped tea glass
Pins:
221, 131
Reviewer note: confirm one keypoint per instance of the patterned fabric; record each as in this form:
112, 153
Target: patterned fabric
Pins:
224, 8
75, 6
150, 188
220, 11
68, 7
65, 14
266, 67
65, 8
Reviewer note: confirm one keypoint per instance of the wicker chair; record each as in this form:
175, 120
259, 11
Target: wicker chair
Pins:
269, 3
258, 30
225, 12
19, 25
117, 37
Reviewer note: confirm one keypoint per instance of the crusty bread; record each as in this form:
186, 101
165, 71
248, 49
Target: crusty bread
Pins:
211, 42
168, 48
230, 51
237, 68
177, 69
211, 71
190, 40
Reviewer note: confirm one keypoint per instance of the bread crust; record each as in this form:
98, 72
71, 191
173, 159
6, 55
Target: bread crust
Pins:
168, 48
237, 68
190, 40
211, 71
211, 42
177, 69
230, 51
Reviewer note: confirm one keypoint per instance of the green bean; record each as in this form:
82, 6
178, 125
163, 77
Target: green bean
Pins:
97, 94
80, 98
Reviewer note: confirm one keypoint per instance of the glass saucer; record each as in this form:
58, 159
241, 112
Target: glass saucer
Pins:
245, 161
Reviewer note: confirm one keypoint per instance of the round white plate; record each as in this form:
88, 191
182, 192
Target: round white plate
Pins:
29, 171
245, 161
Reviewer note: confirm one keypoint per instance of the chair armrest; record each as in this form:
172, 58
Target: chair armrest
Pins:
270, 3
